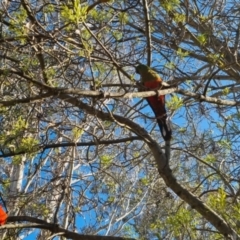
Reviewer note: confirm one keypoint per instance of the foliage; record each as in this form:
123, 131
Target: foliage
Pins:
175, 103
78, 152
75, 13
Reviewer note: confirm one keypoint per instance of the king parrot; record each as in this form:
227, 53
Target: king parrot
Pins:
151, 80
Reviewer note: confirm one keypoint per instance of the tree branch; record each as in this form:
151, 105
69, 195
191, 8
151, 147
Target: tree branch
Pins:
71, 144
148, 32
116, 95
38, 223
163, 166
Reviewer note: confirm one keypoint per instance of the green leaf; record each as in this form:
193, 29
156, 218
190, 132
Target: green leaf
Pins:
49, 8
210, 158
183, 217
202, 38
145, 181
18, 22
179, 18
218, 201
28, 144
117, 35
50, 72
19, 125
170, 65
170, 5
111, 199
17, 160
225, 144
75, 13
226, 91
77, 132
174, 103
182, 130
106, 160
123, 17
181, 53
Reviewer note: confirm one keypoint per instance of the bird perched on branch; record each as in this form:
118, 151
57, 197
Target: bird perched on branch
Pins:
152, 81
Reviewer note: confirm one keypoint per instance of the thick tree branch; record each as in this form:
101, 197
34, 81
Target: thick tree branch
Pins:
54, 228
116, 95
163, 166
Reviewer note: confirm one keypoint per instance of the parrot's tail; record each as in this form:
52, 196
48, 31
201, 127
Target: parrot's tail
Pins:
165, 128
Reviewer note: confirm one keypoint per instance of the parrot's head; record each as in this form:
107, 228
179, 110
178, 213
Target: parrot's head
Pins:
147, 73
140, 69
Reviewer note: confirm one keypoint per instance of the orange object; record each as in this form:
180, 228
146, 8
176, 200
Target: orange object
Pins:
3, 216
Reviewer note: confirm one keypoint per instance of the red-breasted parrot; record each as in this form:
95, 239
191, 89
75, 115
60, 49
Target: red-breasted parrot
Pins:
152, 81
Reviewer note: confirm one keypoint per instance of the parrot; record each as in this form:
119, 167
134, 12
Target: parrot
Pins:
3, 216
152, 81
